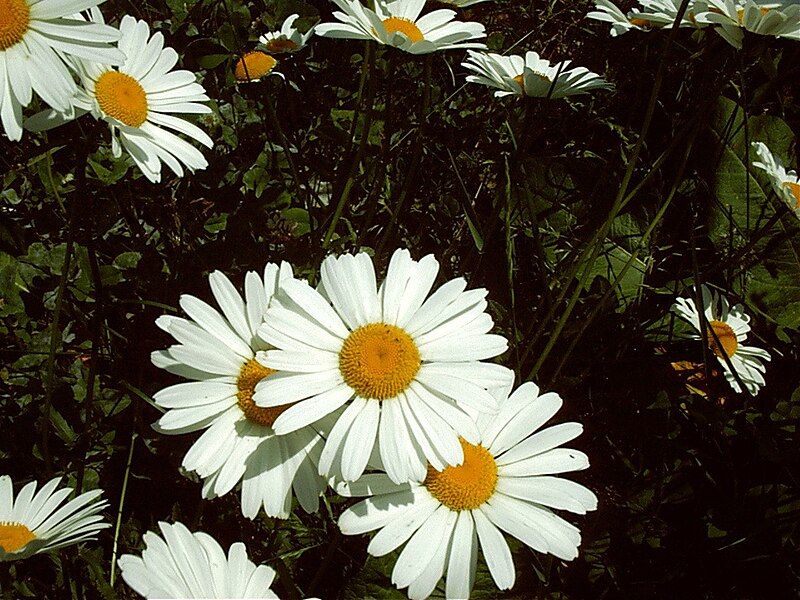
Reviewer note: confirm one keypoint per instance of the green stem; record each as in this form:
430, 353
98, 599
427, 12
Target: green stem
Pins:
118, 524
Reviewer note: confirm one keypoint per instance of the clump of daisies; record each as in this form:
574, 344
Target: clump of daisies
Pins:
726, 329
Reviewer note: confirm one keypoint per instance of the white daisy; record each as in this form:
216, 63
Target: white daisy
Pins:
407, 366
287, 39
608, 12
37, 522
462, 3
531, 76
182, 564
780, 19
507, 483
217, 352
785, 183
398, 23
730, 325
36, 39
138, 101
662, 13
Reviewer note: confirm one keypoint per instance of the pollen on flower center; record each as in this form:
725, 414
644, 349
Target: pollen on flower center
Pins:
254, 65
122, 97
14, 536
251, 373
15, 19
379, 360
281, 45
726, 336
794, 188
404, 26
467, 486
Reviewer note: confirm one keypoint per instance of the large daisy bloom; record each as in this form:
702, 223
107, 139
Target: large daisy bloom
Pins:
398, 23
182, 564
36, 39
37, 522
217, 352
734, 18
139, 101
406, 364
785, 183
730, 326
287, 39
507, 483
531, 76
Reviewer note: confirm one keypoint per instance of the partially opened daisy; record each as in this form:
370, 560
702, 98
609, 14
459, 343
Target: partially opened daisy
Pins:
217, 351
287, 39
507, 483
531, 76
727, 329
785, 183
398, 23
37, 522
406, 363
37, 37
781, 19
139, 101
182, 564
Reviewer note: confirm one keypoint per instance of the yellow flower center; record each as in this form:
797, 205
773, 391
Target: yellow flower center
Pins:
740, 13
379, 361
468, 485
251, 373
14, 536
15, 18
404, 26
794, 188
643, 23
281, 45
520, 79
122, 97
254, 65
726, 336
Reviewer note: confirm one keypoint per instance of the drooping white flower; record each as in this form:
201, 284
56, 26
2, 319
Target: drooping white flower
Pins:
785, 183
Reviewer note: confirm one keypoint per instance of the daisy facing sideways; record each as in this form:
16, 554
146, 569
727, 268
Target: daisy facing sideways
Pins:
781, 19
38, 522
287, 39
727, 329
36, 39
785, 183
398, 23
651, 14
507, 483
139, 101
406, 363
531, 76
217, 352
182, 564
607, 12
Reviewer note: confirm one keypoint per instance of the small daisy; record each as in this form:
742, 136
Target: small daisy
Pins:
38, 522
608, 12
785, 183
36, 39
507, 483
406, 366
531, 76
288, 39
138, 101
398, 23
182, 564
217, 351
734, 18
662, 13
730, 325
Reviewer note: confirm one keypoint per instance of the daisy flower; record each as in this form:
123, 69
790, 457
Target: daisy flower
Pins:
531, 76
398, 23
462, 3
734, 18
608, 12
730, 326
182, 564
217, 351
507, 483
662, 13
406, 366
288, 39
38, 522
138, 102
785, 183
37, 37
